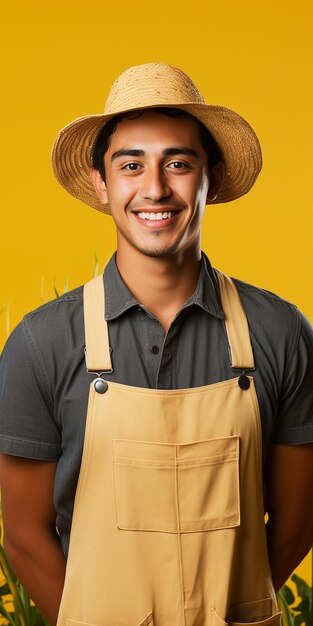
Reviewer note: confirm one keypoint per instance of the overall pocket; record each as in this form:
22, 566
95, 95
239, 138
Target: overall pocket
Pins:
258, 613
148, 621
165, 487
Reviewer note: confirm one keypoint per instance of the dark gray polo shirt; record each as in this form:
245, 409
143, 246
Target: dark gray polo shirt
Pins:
44, 384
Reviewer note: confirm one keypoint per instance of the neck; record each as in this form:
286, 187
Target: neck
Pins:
162, 284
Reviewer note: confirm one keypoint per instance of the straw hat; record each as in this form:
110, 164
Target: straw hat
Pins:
152, 85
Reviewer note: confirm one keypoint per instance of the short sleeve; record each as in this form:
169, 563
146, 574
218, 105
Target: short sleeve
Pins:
294, 423
27, 425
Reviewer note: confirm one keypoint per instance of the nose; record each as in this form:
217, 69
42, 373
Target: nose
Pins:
155, 184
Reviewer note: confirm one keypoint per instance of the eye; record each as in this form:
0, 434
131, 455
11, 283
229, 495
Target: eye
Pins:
177, 165
131, 167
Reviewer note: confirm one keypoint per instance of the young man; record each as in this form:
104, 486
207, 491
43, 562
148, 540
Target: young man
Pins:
173, 403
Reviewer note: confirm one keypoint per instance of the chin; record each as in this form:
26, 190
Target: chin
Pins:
158, 253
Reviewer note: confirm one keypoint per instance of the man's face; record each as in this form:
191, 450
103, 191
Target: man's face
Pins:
157, 183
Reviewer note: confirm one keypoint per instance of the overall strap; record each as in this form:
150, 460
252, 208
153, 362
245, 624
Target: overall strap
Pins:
240, 349
97, 350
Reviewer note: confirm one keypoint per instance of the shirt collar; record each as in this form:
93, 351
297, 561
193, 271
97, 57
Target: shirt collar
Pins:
119, 299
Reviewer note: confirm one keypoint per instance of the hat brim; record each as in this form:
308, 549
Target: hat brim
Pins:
239, 145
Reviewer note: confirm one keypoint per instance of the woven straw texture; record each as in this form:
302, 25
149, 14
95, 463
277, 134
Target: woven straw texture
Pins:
152, 85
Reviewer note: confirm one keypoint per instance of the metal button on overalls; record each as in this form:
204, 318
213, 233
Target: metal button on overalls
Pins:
100, 385
168, 526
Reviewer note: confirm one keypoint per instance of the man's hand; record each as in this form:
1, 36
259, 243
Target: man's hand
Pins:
30, 538
289, 482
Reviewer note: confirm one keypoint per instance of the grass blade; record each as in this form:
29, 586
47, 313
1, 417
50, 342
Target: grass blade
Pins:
20, 617
288, 619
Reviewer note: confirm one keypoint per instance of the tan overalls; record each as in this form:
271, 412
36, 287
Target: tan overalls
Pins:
168, 525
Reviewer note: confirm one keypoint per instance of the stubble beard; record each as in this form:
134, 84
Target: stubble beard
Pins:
158, 252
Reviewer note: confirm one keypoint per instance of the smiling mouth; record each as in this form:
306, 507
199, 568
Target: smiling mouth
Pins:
156, 216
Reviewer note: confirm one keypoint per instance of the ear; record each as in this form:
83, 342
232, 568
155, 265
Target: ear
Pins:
99, 185
216, 178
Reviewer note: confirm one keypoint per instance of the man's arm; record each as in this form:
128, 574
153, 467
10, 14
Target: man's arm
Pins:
289, 482
30, 539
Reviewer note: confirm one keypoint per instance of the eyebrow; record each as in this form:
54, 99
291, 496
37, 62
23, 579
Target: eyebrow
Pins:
167, 152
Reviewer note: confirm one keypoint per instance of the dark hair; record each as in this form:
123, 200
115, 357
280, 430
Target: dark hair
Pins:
103, 140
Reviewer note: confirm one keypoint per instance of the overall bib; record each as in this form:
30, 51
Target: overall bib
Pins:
168, 523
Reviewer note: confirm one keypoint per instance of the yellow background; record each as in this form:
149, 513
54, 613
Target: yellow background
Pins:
59, 60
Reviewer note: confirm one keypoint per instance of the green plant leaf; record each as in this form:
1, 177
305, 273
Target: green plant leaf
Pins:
304, 605
95, 267
303, 588
33, 614
25, 600
288, 595
19, 612
4, 589
288, 617
7, 615
39, 620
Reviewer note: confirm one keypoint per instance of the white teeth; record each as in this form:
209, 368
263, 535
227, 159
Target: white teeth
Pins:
155, 216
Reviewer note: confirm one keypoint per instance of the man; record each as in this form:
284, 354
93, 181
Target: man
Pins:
173, 403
